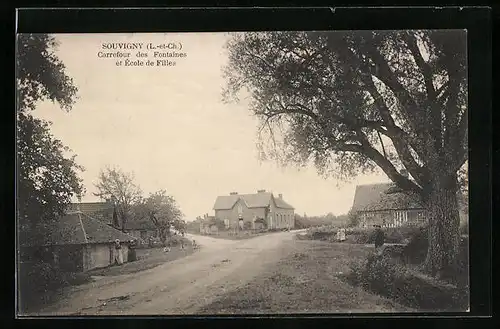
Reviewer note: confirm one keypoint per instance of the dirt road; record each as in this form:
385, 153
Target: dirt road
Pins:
179, 287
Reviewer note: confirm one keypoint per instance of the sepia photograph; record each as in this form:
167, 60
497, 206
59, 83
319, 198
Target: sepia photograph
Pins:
242, 173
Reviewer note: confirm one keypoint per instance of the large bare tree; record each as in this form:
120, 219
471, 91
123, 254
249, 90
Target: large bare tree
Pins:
119, 187
353, 101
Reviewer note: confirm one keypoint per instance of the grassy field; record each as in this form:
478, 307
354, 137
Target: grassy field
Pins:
310, 280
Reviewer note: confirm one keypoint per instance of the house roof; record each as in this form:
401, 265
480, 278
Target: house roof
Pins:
90, 207
74, 228
256, 200
139, 225
280, 203
375, 197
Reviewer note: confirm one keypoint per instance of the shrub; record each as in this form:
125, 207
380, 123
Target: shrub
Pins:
175, 240
36, 280
384, 275
261, 221
416, 250
359, 235
247, 225
352, 219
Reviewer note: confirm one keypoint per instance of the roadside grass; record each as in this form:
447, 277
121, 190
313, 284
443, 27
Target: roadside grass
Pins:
308, 280
227, 235
146, 259
397, 273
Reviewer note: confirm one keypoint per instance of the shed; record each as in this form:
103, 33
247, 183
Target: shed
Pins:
75, 243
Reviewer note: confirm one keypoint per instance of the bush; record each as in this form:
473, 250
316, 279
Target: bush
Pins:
416, 250
37, 280
359, 235
384, 275
175, 240
392, 234
247, 225
352, 219
261, 221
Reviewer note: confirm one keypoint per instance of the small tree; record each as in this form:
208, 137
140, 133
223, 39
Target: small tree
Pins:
163, 211
118, 186
219, 223
352, 219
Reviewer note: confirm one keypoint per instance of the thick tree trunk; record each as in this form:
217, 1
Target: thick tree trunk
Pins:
444, 233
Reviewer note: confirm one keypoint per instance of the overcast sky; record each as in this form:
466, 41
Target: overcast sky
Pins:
170, 128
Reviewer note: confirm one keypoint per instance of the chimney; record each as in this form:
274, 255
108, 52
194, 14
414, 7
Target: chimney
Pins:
233, 193
261, 191
280, 196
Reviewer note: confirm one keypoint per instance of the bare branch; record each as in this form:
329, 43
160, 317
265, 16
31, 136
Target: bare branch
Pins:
425, 69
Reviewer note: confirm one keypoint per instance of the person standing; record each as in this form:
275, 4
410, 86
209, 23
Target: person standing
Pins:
379, 237
341, 234
118, 252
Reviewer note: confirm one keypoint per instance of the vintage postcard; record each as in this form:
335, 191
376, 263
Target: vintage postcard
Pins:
318, 172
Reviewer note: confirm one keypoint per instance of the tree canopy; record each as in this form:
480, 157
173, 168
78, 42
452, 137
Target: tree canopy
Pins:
352, 101
162, 210
41, 75
47, 177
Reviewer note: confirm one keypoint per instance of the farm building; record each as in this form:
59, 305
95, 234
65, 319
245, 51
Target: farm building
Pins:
75, 243
263, 206
98, 210
378, 204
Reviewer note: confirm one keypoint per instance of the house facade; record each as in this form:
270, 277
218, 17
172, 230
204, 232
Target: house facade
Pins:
75, 243
250, 208
381, 204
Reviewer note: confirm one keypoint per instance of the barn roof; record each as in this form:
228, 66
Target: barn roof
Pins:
256, 200
72, 229
383, 196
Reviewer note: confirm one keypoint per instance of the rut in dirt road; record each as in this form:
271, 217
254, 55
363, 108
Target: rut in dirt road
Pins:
181, 286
